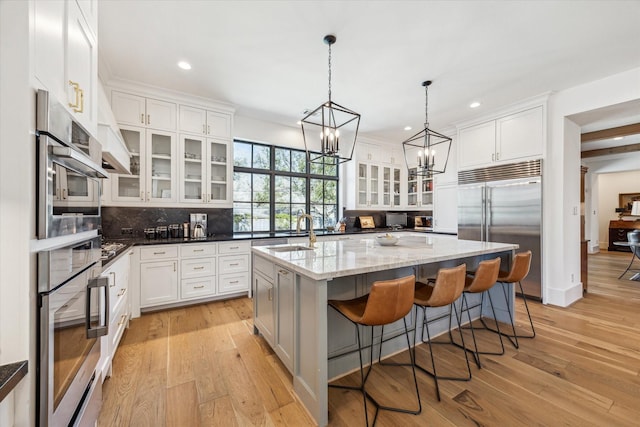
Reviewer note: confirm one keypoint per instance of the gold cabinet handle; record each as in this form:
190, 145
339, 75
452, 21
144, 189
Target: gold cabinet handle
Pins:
174, 266
198, 287
142, 118
142, 195
203, 129
64, 194
122, 292
148, 119
112, 274
199, 268
270, 296
198, 250
208, 130
123, 319
78, 105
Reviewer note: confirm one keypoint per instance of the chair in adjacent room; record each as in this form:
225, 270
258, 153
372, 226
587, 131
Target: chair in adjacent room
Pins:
519, 271
633, 237
387, 302
447, 288
480, 282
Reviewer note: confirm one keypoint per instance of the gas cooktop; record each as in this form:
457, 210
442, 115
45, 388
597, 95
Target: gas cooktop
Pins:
109, 250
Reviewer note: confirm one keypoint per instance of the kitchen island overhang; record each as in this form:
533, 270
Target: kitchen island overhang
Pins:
292, 284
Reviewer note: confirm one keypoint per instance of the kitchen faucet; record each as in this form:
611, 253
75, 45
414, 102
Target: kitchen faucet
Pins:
312, 236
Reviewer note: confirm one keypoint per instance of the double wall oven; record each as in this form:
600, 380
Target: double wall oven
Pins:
72, 297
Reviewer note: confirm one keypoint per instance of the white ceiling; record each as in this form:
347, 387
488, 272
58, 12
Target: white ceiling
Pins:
267, 57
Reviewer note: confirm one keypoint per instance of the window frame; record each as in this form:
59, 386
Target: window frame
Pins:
272, 172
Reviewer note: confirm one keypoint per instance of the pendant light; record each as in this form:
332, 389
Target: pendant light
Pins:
330, 131
421, 149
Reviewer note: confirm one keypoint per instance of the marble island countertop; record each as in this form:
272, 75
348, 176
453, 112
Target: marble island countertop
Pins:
362, 254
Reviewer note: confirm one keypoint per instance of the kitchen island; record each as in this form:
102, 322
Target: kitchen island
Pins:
292, 283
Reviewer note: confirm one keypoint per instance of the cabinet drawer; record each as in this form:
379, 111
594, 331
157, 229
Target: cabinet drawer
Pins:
264, 266
233, 264
233, 283
197, 267
234, 247
116, 329
158, 252
197, 250
193, 288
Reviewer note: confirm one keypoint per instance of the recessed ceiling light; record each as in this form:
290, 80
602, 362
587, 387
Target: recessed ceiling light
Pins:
407, 128
184, 65
298, 122
474, 104
617, 138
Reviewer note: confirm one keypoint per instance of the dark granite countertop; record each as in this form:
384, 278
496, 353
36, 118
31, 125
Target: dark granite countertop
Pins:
141, 241
10, 376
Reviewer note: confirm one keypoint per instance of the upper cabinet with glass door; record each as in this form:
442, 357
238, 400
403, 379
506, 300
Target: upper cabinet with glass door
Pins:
204, 170
419, 190
153, 167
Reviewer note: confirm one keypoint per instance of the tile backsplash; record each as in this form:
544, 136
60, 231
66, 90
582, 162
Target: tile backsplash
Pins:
114, 219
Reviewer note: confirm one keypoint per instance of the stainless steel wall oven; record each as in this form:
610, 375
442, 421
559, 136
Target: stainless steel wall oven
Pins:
73, 314
68, 172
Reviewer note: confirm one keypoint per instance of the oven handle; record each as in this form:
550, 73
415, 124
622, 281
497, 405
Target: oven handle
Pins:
98, 282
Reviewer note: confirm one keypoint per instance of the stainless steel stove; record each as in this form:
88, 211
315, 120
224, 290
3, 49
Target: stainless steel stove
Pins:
109, 250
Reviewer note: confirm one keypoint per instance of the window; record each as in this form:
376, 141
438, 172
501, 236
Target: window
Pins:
273, 185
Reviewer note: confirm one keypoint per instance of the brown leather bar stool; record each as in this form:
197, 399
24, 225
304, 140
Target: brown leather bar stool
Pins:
519, 270
483, 279
387, 302
447, 288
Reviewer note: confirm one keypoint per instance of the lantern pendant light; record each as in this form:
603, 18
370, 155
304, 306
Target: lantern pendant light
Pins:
332, 125
420, 150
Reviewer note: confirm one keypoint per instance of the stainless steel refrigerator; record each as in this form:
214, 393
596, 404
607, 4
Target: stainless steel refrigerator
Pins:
507, 209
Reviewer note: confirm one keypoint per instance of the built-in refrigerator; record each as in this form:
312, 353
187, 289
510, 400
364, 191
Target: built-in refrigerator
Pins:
504, 204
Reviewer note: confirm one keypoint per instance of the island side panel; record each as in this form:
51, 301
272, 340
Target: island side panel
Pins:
310, 366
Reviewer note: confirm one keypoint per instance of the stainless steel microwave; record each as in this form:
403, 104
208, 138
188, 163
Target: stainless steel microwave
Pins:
68, 182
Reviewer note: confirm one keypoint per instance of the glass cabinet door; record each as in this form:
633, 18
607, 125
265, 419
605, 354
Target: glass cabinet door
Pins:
386, 186
160, 172
131, 187
396, 186
374, 185
362, 184
218, 161
412, 188
192, 151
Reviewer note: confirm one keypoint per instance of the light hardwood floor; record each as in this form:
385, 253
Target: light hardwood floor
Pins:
202, 366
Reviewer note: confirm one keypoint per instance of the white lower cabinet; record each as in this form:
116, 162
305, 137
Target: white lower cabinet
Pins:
172, 274
273, 306
159, 282
285, 281
119, 310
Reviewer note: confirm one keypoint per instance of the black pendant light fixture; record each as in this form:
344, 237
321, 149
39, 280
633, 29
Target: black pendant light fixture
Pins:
421, 149
330, 131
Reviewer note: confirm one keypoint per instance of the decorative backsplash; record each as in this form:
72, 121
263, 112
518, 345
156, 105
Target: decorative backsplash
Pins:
114, 219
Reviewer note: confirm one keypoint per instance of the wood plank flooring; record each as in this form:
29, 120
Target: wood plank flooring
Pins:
202, 366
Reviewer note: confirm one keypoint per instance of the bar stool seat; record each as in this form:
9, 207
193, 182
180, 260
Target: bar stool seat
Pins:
387, 302
447, 288
481, 282
519, 271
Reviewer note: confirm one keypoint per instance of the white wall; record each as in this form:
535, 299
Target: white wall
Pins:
609, 186
256, 130
17, 279
561, 194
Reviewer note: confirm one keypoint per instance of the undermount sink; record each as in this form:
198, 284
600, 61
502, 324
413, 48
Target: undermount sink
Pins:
290, 248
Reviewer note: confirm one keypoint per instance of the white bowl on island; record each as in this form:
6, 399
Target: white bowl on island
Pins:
387, 240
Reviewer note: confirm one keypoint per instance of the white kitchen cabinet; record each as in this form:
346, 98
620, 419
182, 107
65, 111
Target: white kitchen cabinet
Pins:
119, 310
135, 110
264, 306
234, 266
391, 186
205, 170
445, 212
66, 58
153, 167
197, 287
419, 190
203, 122
159, 282
514, 137
285, 301
368, 188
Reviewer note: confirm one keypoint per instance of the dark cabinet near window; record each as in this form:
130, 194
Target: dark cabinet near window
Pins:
618, 233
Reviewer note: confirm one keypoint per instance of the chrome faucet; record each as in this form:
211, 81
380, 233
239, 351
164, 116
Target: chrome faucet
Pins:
312, 235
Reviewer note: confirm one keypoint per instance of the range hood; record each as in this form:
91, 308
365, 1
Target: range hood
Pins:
115, 155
